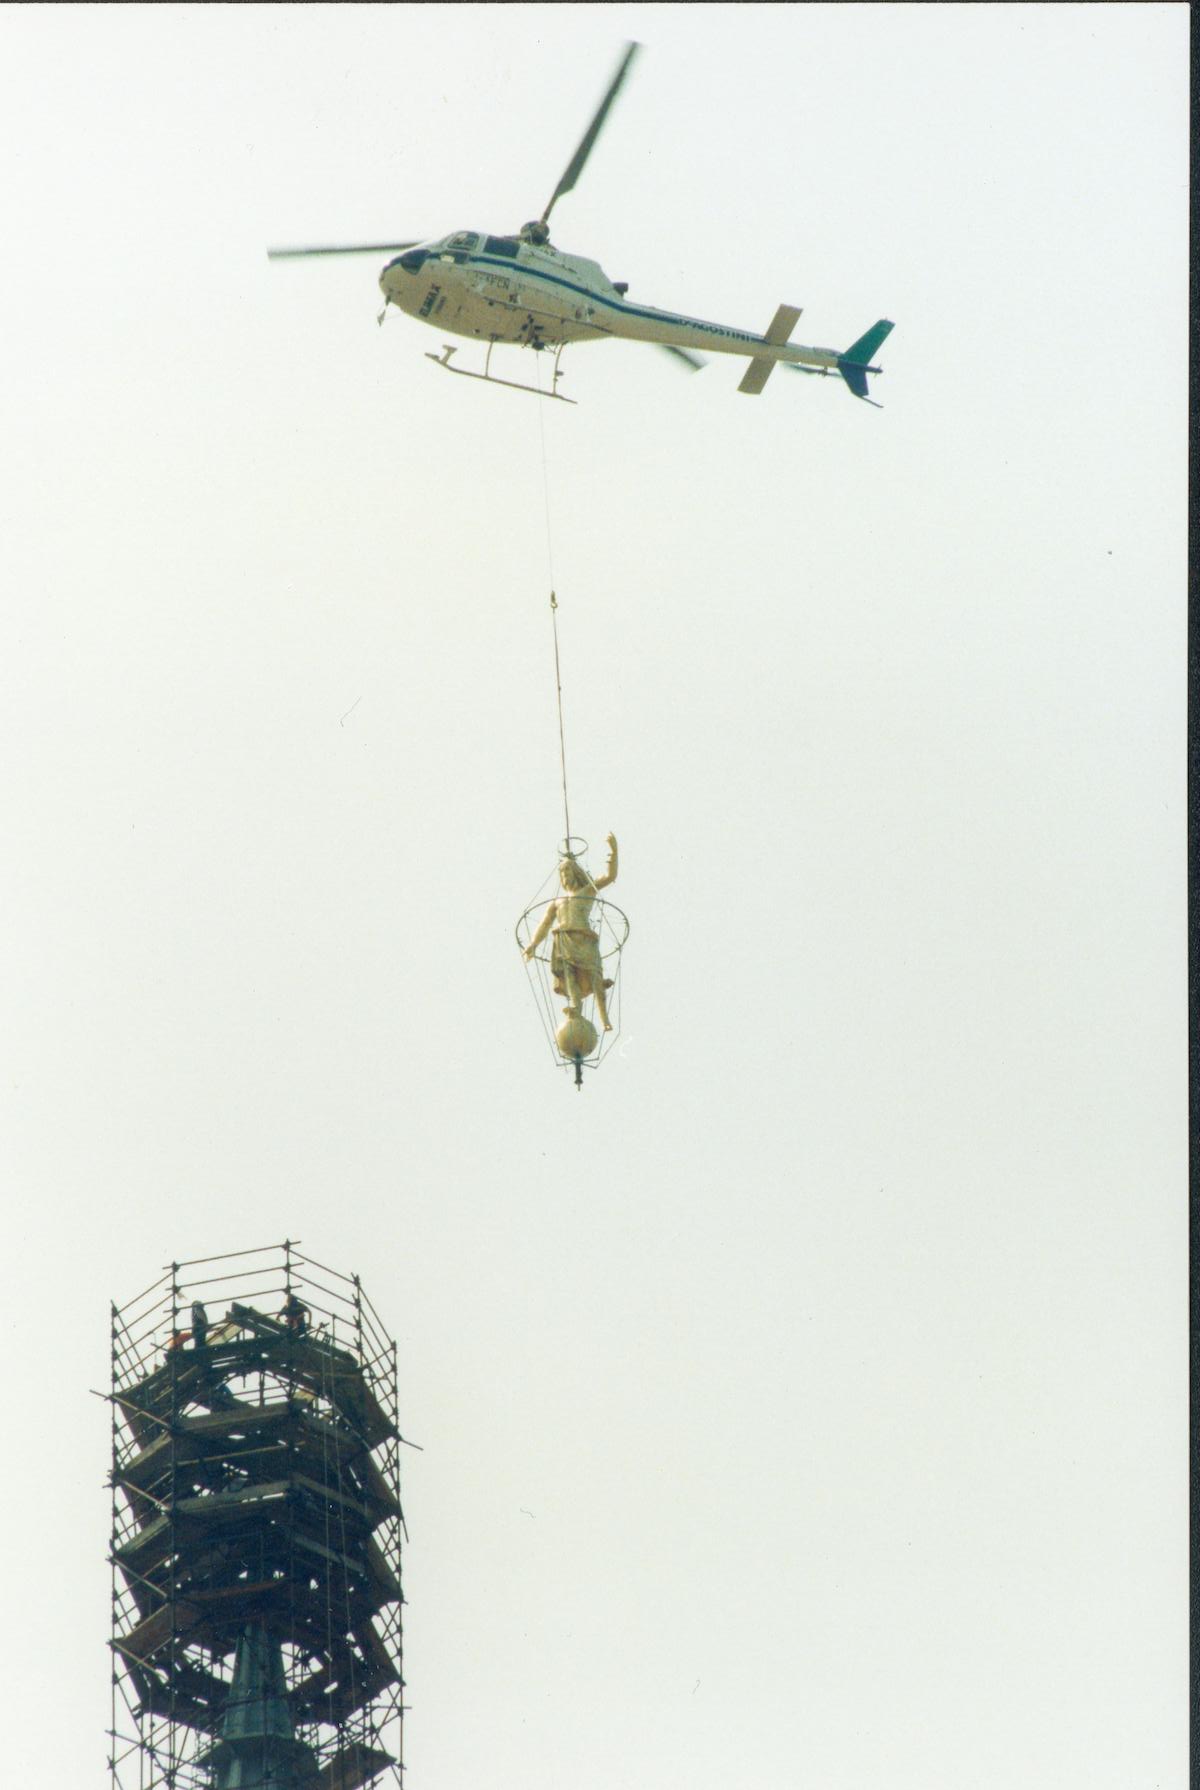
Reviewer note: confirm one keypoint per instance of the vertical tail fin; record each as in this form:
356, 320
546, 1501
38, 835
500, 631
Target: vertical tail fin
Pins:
854, 365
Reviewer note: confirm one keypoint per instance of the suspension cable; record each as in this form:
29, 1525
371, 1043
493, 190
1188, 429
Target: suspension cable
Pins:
562, 747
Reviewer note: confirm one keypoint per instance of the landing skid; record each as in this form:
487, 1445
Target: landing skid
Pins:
443, 360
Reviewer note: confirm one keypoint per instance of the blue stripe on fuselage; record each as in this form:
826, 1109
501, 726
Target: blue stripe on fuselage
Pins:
614, 304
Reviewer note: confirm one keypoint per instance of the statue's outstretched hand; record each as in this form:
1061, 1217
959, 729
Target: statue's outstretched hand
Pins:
612, 842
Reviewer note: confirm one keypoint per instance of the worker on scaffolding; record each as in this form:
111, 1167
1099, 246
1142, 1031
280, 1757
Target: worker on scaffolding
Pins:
295, 1315
199, 1325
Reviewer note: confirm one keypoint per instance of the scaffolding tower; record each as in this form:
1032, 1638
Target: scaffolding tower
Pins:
256, 1531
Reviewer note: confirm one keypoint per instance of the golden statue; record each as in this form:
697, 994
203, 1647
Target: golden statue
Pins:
574, 948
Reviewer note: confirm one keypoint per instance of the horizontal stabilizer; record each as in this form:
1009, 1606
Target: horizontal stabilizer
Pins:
756, 376
780, 328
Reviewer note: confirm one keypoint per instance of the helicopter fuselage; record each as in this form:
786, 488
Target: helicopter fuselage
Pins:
506, 289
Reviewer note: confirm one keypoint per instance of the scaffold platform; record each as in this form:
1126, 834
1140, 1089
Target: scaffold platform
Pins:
256, 1531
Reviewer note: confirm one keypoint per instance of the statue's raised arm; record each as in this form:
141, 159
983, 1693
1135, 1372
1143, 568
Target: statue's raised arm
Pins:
610, 874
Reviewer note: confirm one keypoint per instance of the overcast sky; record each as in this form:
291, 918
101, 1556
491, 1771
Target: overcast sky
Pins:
833, 1338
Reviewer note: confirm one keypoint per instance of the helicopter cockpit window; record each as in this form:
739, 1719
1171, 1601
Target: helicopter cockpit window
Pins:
463, 239
502, 245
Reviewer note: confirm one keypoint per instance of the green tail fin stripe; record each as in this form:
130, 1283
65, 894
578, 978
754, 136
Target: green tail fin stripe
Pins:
866, 346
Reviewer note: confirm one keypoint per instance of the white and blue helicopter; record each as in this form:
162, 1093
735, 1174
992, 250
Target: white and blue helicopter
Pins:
523, 290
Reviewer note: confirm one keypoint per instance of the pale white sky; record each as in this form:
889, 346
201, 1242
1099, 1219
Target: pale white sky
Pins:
835, 1334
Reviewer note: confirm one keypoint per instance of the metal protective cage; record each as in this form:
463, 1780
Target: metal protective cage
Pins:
612, 929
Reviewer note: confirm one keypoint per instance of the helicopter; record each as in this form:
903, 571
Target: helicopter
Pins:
523, 290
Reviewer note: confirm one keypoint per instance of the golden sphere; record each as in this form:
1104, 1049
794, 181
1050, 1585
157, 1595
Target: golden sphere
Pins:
576, 1038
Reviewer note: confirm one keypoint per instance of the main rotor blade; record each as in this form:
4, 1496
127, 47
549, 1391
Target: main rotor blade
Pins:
576, 164
694, 361
358, 248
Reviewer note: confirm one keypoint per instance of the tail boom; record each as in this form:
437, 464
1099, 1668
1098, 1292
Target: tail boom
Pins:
671, 330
